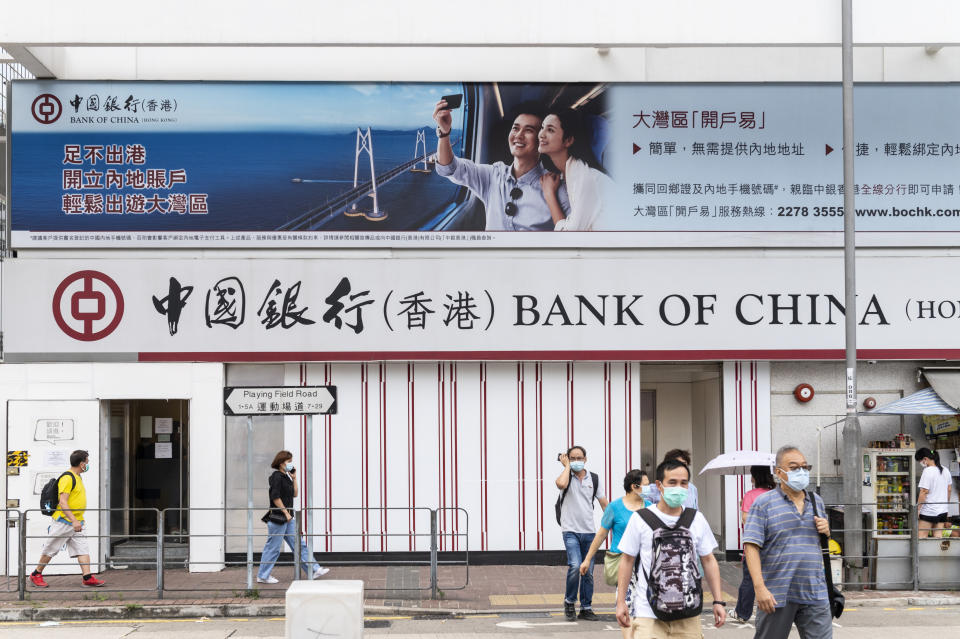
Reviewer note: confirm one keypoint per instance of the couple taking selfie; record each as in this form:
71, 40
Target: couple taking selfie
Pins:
554, 181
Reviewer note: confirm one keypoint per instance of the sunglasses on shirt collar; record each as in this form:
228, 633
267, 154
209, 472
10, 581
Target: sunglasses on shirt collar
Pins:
511, 207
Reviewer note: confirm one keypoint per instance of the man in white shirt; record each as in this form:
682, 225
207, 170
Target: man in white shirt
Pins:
673, 478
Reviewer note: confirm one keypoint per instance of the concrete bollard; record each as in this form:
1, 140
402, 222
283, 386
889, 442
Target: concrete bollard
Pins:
324, 609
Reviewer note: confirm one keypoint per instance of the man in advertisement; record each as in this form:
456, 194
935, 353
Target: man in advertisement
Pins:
512, 195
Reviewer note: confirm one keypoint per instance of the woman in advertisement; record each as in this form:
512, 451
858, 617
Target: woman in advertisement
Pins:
566, 153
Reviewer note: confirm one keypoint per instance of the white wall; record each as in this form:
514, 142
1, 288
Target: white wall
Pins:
201, 384
674, 416
482, 437
796, 423
644, 40
707, 436
746, 426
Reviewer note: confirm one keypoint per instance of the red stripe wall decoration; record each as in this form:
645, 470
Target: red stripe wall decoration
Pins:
365, 455
538, 368
411, 461
746, 400
484, 478
521, 469
384, 469
328, 451
455, 455
513, 419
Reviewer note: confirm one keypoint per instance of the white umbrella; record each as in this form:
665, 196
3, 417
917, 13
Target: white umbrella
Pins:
737, 463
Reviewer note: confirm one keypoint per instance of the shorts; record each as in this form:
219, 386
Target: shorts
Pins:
650, 628
62, 534
933, 519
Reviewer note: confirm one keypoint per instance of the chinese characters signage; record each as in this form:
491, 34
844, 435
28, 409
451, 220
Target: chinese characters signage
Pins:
124, 164
655, 306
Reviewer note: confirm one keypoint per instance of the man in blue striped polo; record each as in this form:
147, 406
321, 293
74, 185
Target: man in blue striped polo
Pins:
782, 550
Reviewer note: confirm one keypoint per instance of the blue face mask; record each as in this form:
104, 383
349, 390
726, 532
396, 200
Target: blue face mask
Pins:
675, 496
798, 479
647, 490
577, 466
289, 466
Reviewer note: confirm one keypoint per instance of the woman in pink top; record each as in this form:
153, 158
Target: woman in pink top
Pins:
762, 480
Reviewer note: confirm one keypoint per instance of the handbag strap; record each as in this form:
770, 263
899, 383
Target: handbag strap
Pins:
824, 546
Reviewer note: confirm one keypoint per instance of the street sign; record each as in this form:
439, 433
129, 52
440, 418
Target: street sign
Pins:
279, 400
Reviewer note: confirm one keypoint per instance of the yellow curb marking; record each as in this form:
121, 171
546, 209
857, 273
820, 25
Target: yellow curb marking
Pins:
890, 609
850, 609
916, 608
552, 599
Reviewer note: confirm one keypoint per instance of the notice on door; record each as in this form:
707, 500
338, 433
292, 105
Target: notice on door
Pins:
163, 450
56, 458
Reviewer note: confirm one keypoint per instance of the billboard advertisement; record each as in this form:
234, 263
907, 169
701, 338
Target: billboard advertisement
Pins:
663, 306
160, 164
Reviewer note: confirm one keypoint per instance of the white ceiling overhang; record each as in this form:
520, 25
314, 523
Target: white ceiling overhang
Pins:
555, 40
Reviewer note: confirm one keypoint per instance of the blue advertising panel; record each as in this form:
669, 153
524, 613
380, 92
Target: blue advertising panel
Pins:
171, 164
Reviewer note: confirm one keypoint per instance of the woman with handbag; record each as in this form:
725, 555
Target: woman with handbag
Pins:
636, 485
280, 522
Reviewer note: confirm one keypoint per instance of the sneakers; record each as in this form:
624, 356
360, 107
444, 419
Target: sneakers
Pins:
93, 581
587, 615
319, 571
38, 581
569, 611
269, 580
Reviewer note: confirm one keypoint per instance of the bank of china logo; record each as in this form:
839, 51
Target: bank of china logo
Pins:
88, 305
46, 108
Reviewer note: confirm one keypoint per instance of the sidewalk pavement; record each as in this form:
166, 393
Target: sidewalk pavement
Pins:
491, 590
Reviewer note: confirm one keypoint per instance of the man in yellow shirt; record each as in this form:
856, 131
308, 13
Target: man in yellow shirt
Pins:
67, 526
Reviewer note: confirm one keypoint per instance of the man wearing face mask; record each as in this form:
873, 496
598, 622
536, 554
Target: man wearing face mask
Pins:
782, 550
682, 456
579, 488
634, 610
66, 530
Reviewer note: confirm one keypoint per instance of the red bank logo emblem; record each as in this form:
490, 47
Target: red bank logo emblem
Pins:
88, 305
46, 108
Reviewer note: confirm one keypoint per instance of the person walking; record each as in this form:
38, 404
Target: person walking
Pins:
66, 530
666, 537
934, 497
580, 489
280, 522
615, 519
762, 480
782, 549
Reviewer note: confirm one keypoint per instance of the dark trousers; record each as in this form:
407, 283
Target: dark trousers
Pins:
745, 596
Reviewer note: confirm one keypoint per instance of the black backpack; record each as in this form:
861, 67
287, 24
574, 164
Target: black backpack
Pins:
674, 590
50, 495
596, 484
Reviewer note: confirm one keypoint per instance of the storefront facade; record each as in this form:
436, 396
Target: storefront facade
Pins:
465, 361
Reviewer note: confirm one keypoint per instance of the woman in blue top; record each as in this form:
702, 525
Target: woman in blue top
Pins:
637, 486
